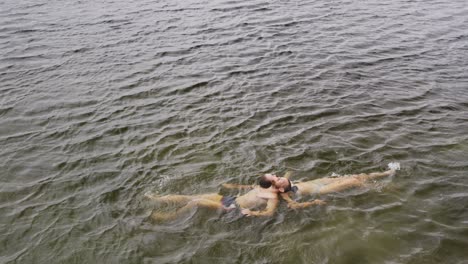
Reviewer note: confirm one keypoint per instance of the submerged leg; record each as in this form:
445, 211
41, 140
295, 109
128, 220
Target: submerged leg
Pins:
392, 168
172, 198
375, 175
158, 216
357, 180
340, 184
177, 198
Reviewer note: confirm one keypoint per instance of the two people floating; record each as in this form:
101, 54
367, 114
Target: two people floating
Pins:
263, 199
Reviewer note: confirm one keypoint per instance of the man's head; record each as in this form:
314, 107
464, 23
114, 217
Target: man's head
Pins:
266, 180
280, 183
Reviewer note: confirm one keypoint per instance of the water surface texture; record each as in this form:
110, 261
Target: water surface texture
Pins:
102, 101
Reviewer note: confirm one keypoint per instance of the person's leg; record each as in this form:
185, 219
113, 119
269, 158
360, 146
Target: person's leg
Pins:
210, 196
205, 203
375, 175
177, 198
393, 167
330, 185
340, 184
351, 181
172, 198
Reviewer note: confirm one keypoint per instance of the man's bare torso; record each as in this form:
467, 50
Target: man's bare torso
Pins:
256, 198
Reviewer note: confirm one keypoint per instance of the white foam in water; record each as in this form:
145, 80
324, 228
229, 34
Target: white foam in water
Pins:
394, 165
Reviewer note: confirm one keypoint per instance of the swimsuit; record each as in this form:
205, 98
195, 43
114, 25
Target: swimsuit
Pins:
229, 202
294, 189
291, 188
232, 211
316, 191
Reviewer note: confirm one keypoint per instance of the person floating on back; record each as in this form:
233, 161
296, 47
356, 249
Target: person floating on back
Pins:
289, 190
263, 196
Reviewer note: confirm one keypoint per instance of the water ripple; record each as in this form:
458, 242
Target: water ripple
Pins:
100, 103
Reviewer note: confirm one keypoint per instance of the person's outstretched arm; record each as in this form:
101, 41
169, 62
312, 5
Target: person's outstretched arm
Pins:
295, 205
237, 186
288, 174
287, 198
269, 210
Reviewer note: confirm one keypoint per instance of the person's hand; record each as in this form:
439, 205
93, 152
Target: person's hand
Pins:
229, 185
246, 212
294, 205
228, 209
319, 202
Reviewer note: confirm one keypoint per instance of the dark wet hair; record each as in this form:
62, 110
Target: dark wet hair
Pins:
289, 188
263, 182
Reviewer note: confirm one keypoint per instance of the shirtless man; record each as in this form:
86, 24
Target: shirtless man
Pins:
263, 195
325, 185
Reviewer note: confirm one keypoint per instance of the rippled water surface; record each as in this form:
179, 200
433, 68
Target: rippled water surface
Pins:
102, 101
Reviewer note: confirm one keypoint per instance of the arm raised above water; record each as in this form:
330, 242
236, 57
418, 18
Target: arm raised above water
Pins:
269, 210
295, 205
237, 186
288, 174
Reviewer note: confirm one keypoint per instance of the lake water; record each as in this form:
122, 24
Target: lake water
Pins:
102, 101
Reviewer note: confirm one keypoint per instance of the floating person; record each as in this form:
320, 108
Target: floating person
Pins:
289, 190
263, 195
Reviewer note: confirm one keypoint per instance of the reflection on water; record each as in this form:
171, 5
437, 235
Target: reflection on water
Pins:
101, 102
